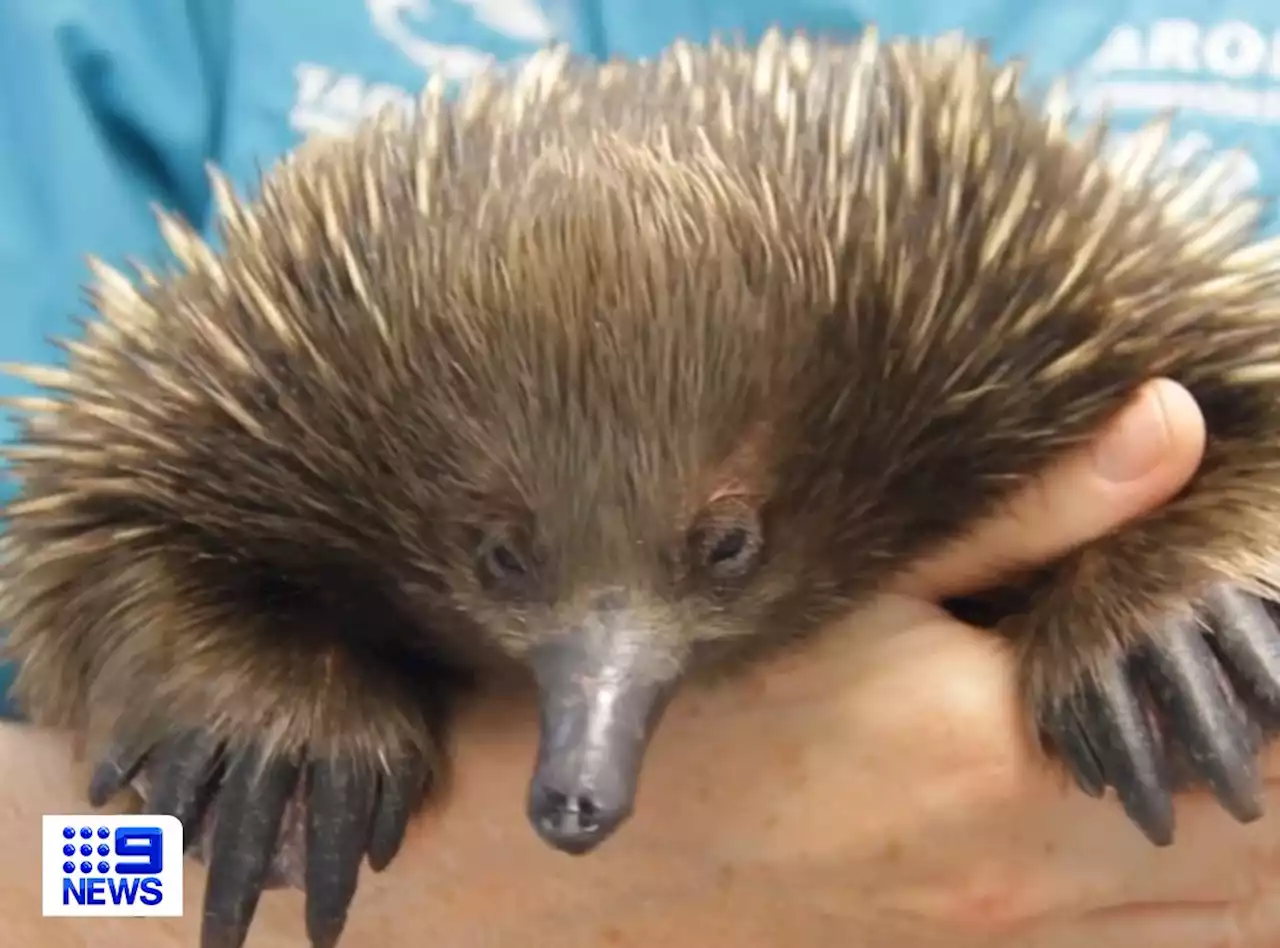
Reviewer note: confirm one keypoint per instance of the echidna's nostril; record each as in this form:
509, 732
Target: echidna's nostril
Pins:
574, 822
555, 809
586, 811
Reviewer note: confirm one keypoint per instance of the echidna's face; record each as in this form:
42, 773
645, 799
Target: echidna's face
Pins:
605, 597
602, 555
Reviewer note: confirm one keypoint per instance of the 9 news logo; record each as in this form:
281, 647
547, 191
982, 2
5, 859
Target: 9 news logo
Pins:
122, 866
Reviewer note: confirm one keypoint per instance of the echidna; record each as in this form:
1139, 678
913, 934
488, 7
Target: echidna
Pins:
612, 372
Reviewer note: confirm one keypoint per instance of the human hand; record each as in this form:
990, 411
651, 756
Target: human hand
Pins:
873, 788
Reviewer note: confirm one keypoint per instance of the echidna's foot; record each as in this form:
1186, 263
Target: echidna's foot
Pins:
1189, 708
260, 823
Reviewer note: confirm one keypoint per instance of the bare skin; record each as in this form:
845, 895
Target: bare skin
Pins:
850, 788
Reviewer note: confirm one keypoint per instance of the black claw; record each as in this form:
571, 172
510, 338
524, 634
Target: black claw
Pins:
1189, 708
398, 798
115, 771
1248, 644
339, 810
183, 770
1072, 743
1201, 717
251, 805
1127, 750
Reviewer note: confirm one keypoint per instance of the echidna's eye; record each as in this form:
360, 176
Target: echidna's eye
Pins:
727, 543
504, 561
499, 565
729, 547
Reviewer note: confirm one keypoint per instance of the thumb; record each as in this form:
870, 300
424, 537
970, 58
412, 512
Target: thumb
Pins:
1142, 458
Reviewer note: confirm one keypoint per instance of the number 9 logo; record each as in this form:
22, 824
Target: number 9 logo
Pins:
144, 842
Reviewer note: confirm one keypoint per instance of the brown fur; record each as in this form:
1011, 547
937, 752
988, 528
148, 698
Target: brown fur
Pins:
859, 293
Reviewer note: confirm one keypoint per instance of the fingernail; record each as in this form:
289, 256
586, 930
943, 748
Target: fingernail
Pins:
1137, 440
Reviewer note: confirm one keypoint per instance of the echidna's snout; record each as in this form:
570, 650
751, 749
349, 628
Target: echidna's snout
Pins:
603, 685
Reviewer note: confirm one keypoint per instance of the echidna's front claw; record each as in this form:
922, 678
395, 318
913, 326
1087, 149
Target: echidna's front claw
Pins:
260, 821
182, 776
116, 770
251, 803
1102, 732
398, 799
242, 815
1247, 642
1210, 739
1185, 708
340, 802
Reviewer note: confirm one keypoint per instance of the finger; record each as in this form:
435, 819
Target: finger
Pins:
1144, 457
339, 809
251, 804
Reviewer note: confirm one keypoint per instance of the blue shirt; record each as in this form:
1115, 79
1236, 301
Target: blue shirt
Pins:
110, 107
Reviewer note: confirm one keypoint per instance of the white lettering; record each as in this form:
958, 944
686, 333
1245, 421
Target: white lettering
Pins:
1232, 49
331, 103
345, 95
311, 80
1220, 99
1174, 44
1120, 52
395, 19
1235, 49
